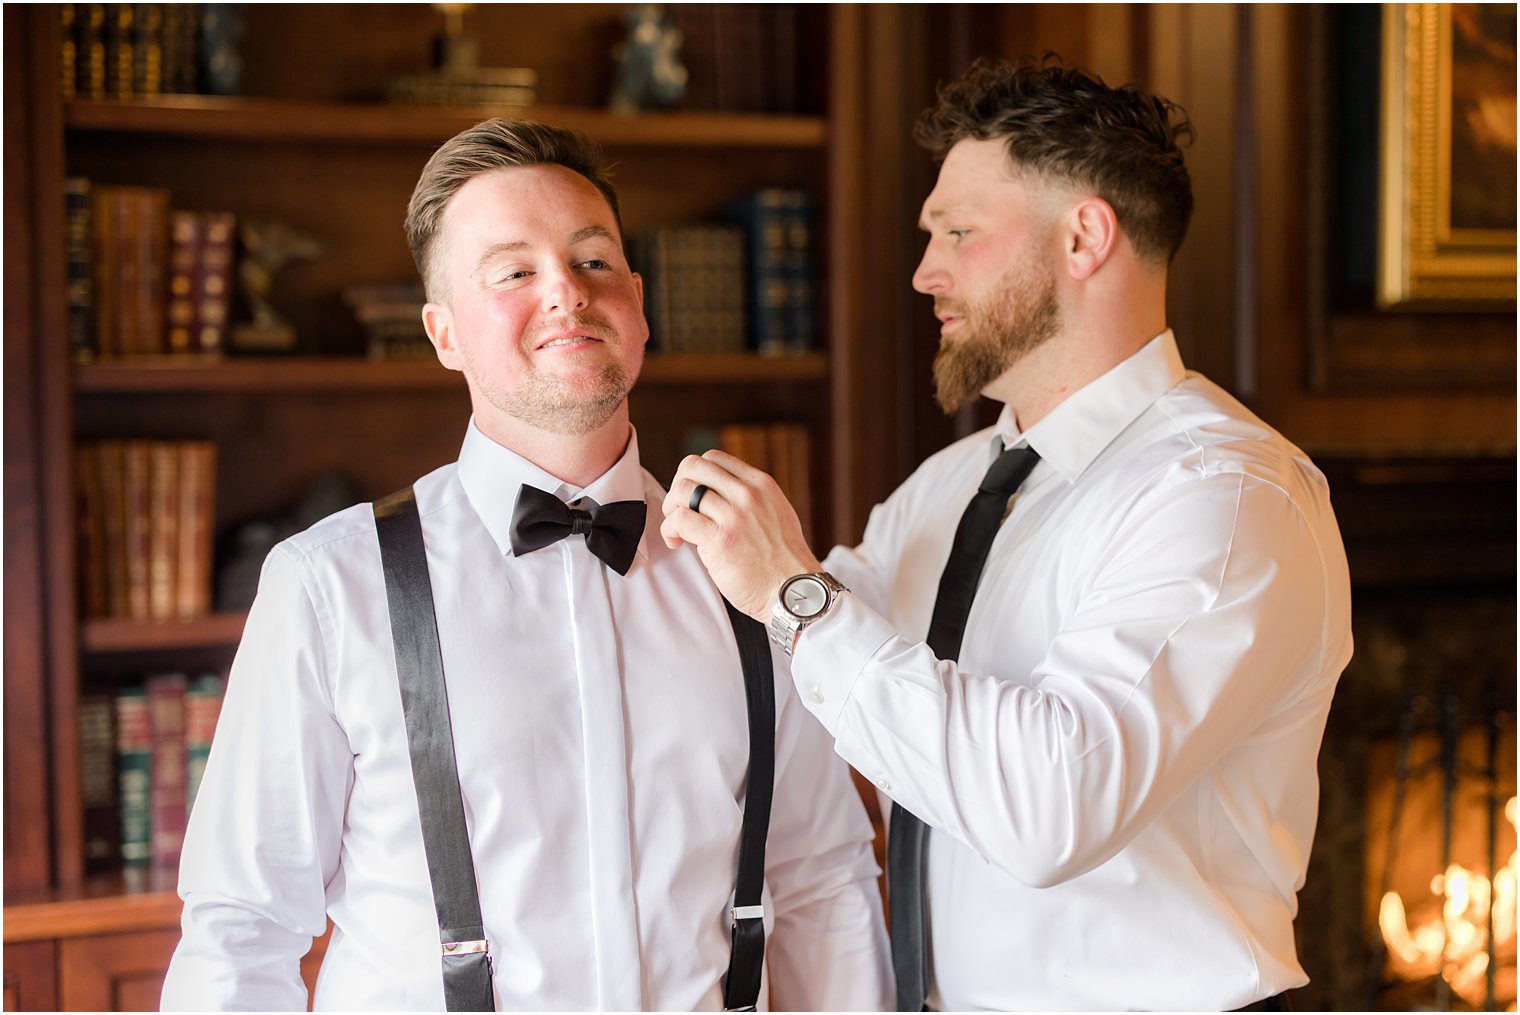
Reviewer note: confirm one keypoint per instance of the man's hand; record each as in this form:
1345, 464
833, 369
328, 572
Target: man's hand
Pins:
745, 531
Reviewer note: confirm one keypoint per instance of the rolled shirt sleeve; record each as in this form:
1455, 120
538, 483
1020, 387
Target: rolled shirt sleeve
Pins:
265, 833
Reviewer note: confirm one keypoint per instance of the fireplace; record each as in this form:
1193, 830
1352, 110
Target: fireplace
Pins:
1440, 864
1417, 769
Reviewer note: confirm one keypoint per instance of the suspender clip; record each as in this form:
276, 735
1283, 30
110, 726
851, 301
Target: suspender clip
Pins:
466, 947
747, 913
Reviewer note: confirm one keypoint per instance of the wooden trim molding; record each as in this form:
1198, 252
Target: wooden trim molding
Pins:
85, 917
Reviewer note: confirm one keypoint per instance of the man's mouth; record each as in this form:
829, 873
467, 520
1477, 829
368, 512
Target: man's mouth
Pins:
947, 316
562, 339
569, 339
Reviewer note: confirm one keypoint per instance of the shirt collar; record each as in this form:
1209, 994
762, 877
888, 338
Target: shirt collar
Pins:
492, 474
1075, 432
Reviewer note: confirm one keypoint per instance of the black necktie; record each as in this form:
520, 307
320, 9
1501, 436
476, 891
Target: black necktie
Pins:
908, 836
612, 531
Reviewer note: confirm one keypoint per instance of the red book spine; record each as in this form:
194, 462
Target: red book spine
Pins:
214, 280
181, 319
166, 711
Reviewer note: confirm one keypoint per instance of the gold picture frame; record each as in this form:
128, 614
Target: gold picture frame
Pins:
1446, 223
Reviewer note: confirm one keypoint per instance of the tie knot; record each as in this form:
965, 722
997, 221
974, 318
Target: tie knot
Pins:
1011, 468
582, 515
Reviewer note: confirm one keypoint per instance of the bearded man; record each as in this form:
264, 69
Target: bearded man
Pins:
1089, 652
561, 829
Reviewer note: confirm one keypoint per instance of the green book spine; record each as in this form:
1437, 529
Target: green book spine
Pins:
134, 776
203, 705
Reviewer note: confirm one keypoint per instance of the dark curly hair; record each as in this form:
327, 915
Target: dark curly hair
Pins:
1067, 125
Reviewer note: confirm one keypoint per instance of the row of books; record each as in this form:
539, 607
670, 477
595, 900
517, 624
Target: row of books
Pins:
119, 51
122, 50
144, 515
726, 287
693, 287
391, 316
742, 58
143, 279
142, 752
781, 449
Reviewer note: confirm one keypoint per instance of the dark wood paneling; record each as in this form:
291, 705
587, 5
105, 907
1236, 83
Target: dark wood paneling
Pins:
31, 976
114, 972
27, 804
1357, 407
846, 222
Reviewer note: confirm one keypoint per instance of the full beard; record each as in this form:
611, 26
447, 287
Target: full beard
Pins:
1020, 314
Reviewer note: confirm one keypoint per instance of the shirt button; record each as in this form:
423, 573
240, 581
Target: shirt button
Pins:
883, 783
816, 695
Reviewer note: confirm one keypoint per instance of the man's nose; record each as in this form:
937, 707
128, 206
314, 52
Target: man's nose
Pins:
929, 277
565, 292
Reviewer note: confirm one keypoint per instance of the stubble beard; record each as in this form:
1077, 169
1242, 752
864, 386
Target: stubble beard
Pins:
571, 408
1020, 314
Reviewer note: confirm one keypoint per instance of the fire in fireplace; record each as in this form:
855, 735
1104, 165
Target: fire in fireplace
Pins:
1441, 865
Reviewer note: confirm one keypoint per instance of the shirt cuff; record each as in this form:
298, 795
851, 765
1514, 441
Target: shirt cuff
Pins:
832, 654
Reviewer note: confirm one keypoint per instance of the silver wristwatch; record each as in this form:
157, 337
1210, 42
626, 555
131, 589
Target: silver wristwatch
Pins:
803, 599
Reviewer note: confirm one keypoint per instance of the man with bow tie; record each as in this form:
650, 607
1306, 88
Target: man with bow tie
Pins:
594, 697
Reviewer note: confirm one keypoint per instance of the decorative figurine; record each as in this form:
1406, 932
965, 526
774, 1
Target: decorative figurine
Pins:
268, 246
222, 33
650, 74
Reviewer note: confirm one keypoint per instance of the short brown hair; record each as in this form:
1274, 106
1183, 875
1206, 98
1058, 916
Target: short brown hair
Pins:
496, 144
1067, 125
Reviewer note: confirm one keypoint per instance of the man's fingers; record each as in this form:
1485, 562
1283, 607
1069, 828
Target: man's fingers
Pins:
696, 471
683, 525
737, 467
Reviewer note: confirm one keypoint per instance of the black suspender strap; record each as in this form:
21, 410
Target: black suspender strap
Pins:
424, 702
445, 839
742, 987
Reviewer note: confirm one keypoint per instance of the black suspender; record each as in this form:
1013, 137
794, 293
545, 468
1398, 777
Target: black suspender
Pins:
747, 953
424, 702
435, 773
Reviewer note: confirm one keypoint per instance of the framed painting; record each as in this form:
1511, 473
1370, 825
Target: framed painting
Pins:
1447, 193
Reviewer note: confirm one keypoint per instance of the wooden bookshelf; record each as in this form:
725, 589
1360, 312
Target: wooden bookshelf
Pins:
115, 635
352, 374
106, 906
331, 123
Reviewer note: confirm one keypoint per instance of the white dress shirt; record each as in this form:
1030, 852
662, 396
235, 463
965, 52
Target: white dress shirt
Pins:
599, 725
1119, 774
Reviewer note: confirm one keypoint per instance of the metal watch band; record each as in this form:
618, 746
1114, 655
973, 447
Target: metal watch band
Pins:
786, 627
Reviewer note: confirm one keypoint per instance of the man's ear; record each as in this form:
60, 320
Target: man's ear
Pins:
1092, 234
638, 288
438, 322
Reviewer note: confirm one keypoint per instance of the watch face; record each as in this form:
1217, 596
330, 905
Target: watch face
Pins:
804, 597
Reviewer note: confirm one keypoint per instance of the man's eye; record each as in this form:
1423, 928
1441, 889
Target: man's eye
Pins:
596, 263
513, 276
958, 233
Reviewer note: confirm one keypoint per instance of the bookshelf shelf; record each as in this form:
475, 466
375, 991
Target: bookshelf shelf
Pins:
350, 374
326, 373
108, 906
733, 368
219, 630
249, 119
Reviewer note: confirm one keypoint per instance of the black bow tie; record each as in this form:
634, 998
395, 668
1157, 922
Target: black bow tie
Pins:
612, 531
